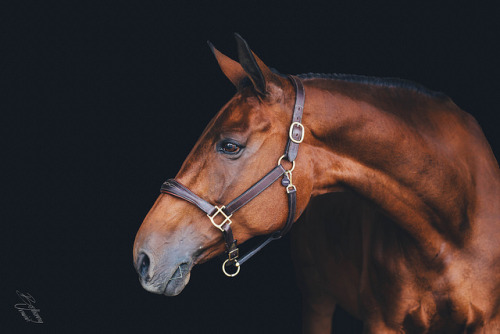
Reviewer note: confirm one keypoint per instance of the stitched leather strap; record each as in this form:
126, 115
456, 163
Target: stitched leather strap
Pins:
254, 190
297, 132
177, 189
292, 199
292, 207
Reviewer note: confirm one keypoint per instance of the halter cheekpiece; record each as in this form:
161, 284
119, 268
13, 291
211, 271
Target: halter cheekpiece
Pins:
295, 137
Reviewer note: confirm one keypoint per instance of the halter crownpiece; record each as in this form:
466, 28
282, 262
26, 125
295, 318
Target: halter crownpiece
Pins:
295, 137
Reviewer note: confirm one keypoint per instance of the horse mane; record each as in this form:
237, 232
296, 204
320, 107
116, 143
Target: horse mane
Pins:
383, 82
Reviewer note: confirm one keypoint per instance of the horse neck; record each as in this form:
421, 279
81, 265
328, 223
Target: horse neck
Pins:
412, 154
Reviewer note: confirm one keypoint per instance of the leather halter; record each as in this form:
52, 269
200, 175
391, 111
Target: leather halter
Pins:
295, 137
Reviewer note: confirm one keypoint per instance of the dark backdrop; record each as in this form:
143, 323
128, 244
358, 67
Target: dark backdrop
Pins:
104, 102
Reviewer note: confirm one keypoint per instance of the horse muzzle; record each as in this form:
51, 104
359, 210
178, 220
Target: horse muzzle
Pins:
164, 263
163, 278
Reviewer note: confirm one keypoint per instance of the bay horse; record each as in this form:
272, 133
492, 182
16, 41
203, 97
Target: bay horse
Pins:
396, 187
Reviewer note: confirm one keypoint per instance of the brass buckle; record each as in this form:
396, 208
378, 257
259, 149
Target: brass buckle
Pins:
226, 217
302, 130
288, 173
237, 265
233, 255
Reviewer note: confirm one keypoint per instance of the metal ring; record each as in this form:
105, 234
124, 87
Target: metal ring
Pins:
237, 265
293, 163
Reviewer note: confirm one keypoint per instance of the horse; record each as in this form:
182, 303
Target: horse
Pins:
392, 190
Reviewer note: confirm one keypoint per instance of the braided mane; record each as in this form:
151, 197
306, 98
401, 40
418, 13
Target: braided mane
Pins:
384, 82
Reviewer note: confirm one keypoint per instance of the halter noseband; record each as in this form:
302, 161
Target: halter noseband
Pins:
295, 137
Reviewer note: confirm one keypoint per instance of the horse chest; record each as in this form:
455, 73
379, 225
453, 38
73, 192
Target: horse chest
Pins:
401, 290
372, 268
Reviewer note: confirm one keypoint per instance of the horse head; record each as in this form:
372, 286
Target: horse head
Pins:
241, 143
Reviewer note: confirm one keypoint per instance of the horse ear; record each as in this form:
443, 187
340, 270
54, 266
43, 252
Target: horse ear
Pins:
231, 69
257, 71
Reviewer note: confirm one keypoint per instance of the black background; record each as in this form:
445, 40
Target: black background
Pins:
102, 101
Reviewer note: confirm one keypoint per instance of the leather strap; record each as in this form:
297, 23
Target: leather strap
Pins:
177, 189
231, 248
292, 199
297, 131
254, 190
246, 257
292, 207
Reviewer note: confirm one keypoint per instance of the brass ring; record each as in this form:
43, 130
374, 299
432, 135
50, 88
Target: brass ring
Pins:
237, 265
293, 163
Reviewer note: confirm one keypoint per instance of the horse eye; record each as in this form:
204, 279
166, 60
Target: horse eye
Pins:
229, 147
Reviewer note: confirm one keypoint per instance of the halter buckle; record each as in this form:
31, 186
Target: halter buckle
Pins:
290, 133
233, 254
226, 217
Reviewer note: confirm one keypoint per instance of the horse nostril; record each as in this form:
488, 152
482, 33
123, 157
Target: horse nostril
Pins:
143, 265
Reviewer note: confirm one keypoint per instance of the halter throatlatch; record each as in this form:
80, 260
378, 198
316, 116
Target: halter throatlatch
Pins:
295, 137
